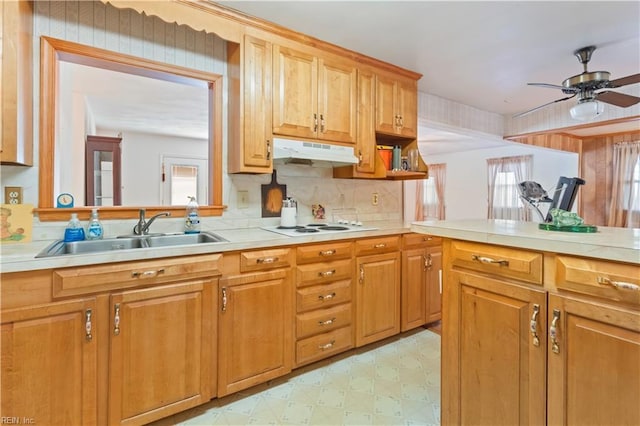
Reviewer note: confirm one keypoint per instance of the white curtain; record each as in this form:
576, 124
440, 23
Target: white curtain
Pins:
503, 176
430, 194
624, 210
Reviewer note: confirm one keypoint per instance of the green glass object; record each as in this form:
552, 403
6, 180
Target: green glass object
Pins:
569, 228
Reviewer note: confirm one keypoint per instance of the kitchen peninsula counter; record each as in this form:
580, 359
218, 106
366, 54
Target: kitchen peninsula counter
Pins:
608, 243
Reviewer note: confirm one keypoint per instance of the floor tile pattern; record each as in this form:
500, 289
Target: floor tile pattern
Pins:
394, 382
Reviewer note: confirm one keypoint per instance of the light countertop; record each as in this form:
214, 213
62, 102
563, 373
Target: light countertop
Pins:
21, 257
619, 244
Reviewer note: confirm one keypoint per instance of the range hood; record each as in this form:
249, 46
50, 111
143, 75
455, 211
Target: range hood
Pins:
316, 154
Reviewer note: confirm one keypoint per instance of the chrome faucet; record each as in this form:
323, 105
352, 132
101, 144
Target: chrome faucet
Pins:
142, 227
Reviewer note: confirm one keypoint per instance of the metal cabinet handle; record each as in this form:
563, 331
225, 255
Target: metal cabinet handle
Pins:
401, 121
483, 259
618, 284
379, 245
315, 123
116, 319
327, 322
224, 299
327, 252
327, 296
553, 331
359, 157
322, 123
87, 325
327, 346
397, 119
533, 325
267, 260
361, 274
327, 273
147, 274
268, 149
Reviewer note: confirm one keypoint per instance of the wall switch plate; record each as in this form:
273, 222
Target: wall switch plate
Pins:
243, 199
374, 199
13, 195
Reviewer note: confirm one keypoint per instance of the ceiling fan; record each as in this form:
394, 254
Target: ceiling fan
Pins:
588, 86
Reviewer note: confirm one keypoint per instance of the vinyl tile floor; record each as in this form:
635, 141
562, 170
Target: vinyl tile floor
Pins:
393, 382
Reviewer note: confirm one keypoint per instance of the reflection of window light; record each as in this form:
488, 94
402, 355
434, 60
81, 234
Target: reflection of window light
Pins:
506, 191
184, 184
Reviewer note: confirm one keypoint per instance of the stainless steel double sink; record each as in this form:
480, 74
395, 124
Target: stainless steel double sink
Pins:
60, 248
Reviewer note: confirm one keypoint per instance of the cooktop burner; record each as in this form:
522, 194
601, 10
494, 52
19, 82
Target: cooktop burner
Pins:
307, 230
290, 227
316, 229
335, 228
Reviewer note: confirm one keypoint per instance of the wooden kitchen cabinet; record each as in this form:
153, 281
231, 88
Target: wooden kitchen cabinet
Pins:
313, 97
49, 363
421, 288
396, 106
377, 289
250, 106
16, 76
160, 359
255, 321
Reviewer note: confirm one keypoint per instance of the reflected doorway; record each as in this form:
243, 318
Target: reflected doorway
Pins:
102, 171
183, 177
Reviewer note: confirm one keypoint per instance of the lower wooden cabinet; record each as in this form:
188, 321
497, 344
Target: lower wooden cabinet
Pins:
160, 361
255, 326
40, 382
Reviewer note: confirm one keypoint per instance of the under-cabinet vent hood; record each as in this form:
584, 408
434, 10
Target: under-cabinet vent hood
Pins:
312, 153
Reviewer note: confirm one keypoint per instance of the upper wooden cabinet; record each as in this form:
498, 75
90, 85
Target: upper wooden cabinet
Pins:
314, 97
250, 106
396, 106
16, 74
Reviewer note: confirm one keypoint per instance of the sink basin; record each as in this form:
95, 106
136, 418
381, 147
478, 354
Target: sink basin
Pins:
60, 248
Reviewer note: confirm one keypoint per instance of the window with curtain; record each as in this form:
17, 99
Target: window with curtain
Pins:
625, 203
430, 194
503, 176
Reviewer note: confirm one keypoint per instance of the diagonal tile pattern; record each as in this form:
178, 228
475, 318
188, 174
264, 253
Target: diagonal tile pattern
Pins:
393, 382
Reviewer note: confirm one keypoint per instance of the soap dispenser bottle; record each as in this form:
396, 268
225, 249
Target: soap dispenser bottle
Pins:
74, 230
94, 230
192, 219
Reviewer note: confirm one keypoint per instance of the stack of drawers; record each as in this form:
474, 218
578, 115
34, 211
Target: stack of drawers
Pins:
323, 300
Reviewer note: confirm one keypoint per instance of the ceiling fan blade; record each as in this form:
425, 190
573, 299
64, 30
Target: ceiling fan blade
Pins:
542, 106
619, 82
547, 85
617, 99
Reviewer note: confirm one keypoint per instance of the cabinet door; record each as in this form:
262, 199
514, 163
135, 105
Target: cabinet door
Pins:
434, 284
407, 104
160, 361
366, 135
378, 297
594, 372
337, 85
257, 103
386, 114
295, 93
255, 330
495, 371
49, 359
414, 289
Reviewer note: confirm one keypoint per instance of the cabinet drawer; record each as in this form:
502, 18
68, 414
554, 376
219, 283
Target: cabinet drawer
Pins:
261, 260
368, 246
324, 252
508, 262
415, 240
323, 345
97, 278
319, 273
323, 320
601, 278
322, 296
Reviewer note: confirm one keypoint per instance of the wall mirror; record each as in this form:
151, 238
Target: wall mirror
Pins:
82, 85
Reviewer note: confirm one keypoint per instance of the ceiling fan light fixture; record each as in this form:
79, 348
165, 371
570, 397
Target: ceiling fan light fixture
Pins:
586, 110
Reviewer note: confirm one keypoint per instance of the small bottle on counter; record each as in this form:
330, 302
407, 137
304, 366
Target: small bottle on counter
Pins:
192, 219
94, 230
74, 230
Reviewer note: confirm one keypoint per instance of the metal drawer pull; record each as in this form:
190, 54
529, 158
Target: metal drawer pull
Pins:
327, 296
327, 346
380, 245
327, 252
553, 331
327, 273
618, 284
224, 299
361, 275
116, 319
147, 274
87, 325
267, 260
327, 322
533, 325
483, 259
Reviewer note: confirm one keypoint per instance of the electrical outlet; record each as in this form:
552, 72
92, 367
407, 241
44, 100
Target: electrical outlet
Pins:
243, 199
374, 199
13, 195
